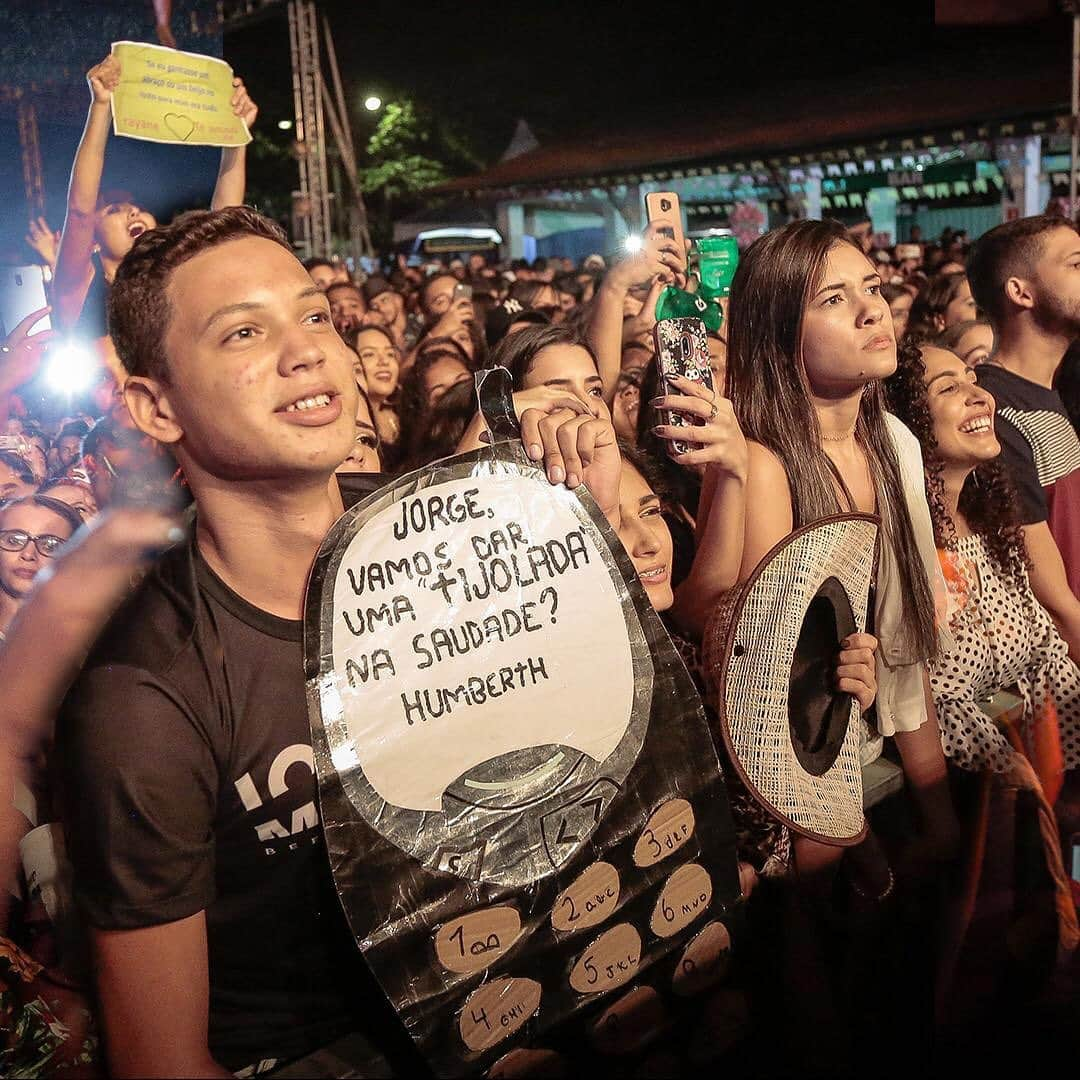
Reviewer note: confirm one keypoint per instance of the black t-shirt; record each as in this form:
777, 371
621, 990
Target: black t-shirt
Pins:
1040, 447
93, 319
186, 768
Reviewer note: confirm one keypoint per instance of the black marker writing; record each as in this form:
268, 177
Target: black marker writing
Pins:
518, 570
388, 613
364, 666
424, 512
445, 642
389, 572
427, 705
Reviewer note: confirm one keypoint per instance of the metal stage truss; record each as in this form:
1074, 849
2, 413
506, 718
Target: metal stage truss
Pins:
319, 108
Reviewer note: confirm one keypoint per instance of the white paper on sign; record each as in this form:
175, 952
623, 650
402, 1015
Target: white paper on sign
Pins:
473, 619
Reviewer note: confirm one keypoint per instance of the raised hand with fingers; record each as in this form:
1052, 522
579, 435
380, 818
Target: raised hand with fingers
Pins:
658, 256
719, 441
576, 444
639, 327
242, 105
41, 239
22, 352
460, 312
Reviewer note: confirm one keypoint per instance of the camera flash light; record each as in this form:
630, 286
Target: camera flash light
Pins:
632, 243
70, 368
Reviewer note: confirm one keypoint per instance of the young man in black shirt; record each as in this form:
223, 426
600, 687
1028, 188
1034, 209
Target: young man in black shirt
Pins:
1025, 276
190, 801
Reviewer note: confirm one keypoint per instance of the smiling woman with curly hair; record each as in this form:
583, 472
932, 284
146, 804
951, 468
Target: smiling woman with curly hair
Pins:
1004, 638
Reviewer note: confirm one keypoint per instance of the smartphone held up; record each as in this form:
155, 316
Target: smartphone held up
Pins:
22, 292
682, 348
65, 365
663, 207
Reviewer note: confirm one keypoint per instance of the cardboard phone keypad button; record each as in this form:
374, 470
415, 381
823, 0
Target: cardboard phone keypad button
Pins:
475, 941
631, 1023
704, 961
589, 900
667, 830
528, 1063
686, 896
610, 961
496, 1011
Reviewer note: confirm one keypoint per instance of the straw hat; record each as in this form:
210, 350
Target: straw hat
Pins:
770, 656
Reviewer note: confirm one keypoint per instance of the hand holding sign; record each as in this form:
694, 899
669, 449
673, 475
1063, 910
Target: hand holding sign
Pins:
576, 445
164, 95
103, 78
242, 105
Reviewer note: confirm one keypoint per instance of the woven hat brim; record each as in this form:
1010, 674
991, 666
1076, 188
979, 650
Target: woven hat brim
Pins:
754, 670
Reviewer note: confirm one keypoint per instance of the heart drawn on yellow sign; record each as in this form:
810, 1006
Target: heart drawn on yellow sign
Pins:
180, 125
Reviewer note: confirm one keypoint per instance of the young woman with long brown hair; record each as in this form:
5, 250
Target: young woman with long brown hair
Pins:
809, 341
810, 338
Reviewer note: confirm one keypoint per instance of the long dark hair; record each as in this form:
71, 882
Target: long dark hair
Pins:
771, 393
414, 404
987, 499
516, 352
933, 298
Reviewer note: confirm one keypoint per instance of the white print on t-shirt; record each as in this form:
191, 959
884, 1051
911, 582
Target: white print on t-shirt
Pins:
304, 818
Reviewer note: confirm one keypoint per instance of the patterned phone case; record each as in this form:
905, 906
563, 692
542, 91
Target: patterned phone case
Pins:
682, 348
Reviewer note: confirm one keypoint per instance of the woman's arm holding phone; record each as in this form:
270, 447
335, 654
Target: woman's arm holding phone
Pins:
722, 451
657, 260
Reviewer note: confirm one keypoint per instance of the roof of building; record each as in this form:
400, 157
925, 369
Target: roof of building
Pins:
796, 122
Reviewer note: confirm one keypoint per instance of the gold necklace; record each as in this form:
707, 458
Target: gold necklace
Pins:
839, 438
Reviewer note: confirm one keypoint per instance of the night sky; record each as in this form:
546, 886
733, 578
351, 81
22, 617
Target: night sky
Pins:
570, 69
573, 68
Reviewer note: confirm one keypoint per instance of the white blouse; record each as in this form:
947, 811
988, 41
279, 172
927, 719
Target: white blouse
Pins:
901, 698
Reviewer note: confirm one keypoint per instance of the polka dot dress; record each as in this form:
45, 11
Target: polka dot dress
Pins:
1005, 640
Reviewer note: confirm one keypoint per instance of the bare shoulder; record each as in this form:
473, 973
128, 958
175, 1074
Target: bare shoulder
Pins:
765, 468
769, 516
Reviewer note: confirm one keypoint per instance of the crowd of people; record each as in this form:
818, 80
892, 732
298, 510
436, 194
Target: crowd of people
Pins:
929, 384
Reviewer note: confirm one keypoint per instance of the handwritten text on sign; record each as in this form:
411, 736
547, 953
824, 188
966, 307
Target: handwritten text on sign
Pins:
174, 97
472, 619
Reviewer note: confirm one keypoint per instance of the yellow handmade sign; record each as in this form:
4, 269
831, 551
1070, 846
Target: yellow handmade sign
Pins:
174, 97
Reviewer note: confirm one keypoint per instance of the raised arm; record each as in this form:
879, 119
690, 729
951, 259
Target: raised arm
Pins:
60, 621
20, 357
723, 456
232, 175
657, 258
74, 270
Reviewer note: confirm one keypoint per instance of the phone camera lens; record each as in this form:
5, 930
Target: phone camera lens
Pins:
665, 205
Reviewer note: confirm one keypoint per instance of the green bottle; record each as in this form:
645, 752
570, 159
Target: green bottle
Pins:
676, 304
717, 263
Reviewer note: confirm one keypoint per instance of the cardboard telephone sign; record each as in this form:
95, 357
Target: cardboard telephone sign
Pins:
521, 799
